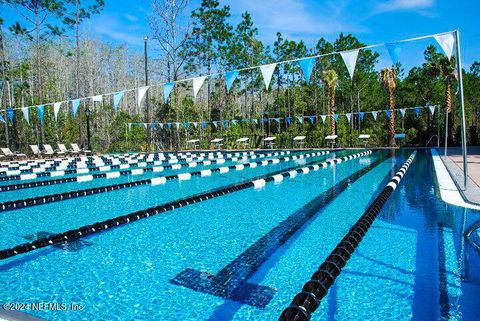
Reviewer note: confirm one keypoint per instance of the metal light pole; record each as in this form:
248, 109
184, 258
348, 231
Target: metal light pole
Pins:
87, 115
147, 105
462, 108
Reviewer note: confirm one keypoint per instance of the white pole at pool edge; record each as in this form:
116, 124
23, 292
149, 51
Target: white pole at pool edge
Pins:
462, 108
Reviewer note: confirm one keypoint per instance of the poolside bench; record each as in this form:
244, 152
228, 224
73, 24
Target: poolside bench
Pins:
331, 139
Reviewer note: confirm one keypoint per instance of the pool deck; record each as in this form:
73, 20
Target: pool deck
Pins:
454, 163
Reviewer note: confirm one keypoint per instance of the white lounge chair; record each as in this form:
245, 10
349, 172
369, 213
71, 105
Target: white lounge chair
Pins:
243, 141
9, 154
194, 143
78, 150
63, 149
364, 138
217, 142
36, 150
331, 139
270, 141
49, 151
299, 140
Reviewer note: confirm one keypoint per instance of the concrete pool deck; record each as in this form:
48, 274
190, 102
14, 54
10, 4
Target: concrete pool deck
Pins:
454, 164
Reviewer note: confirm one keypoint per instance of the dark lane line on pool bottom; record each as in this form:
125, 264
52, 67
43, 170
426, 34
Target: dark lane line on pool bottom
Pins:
231, 282
45, 199
98, 227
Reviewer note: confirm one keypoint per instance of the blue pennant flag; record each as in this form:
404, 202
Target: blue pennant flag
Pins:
394, 50
169, 125
418, 111
2, 119
312, 119
10, 114
75, 105
361, 115
117, 98
335, 116
265, 120
167, 89
204, 124
41, 112
245, 120
288, 120
300, 119
225, 123
230, 78
186, 125
153, 126
388, 112
307, 65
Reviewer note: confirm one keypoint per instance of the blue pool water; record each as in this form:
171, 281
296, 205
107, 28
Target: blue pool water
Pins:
412, 264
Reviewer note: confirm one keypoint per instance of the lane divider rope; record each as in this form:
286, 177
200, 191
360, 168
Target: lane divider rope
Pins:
39, 200
308, 300
135, 216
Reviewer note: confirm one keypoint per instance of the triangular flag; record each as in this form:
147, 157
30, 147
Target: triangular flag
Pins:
349, 116
56, 109
25, 114
10, 114
350, 59
225, 123
2, 119
267, 72
195, 124
394, 50
335, 116
145, 125
161, 125
374, 114
129, 126
446, 41
230, 77
432, 109
307, 65
255, 121
402, 112
117, 98
234, 121
300, 119
265, 120
177, 125
41, 112
75, 105
197, 84
140, 94
97, 99
169, 125
186, 125
418, 111
153, 126
312, 119
277, 120
288, 120
388, 112
215, 123
361, 115
167, 89
323, 117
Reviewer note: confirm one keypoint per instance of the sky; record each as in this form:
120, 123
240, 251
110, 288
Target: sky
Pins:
372, 21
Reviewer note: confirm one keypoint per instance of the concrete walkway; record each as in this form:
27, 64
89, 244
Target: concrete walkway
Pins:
454, 163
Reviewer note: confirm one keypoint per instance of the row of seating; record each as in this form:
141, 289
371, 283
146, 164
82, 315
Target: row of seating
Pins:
47, 151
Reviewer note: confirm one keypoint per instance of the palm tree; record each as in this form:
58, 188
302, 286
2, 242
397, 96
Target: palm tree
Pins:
446, 70
330, 78
389, 79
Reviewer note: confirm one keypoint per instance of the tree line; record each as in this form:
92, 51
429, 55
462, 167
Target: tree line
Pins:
46, 57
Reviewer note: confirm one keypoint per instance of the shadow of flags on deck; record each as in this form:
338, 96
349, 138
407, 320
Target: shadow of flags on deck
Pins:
231, 281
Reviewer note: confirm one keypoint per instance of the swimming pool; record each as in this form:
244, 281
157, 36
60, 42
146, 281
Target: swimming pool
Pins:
195, 239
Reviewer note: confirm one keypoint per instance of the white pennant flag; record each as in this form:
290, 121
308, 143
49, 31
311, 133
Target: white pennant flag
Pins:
446, 41
350, 60
432, 109
324, 117
402, 111
145, 125
140, 94
197, 84
56, 109
374, 114
97, 99
349, 116
267, 73
195, 124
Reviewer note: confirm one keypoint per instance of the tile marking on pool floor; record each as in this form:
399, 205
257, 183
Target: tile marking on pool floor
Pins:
231, 281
